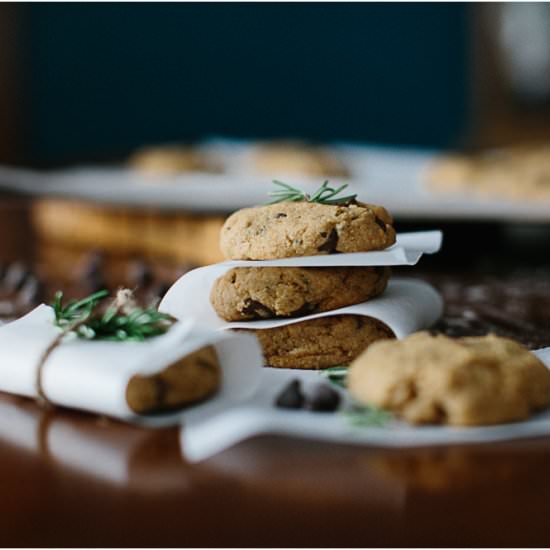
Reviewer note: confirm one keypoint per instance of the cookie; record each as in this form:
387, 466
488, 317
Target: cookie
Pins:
297, 159
244, 293
320, 343
191, 379
305, 229
172, 236
171, 159
463, 382
521, 172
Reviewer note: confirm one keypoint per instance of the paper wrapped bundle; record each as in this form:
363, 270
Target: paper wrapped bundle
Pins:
133, 381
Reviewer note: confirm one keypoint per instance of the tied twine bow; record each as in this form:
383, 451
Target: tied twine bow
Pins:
122, 321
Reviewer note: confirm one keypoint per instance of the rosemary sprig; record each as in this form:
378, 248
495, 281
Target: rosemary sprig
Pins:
122, 321
336, 375
363, 417
75, 310
324, 195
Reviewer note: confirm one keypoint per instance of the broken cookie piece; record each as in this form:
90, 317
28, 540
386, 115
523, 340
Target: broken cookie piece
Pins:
191, 379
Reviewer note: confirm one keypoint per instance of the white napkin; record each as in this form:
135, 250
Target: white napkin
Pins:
93, 375
205, 435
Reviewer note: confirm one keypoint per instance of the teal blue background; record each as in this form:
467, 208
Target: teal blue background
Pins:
101, 79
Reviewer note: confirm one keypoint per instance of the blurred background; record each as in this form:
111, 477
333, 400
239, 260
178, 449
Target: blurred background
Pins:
94, 81
91, 84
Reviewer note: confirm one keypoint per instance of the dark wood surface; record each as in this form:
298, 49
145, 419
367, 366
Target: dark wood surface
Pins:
72, 479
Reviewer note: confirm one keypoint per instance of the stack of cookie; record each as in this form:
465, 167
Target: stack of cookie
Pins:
293, 230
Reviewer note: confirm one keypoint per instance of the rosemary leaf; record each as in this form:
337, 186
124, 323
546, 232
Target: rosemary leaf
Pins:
324, 195
336, 375
364, 417
122, 321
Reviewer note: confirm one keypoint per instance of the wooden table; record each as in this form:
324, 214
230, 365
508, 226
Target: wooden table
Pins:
72, 479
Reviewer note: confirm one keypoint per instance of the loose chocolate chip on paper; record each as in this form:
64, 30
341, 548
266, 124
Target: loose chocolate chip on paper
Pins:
291, 397
323, 399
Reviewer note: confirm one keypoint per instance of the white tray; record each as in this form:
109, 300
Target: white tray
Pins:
388, 176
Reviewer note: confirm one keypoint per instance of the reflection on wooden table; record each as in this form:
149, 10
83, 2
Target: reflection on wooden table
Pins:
69, 477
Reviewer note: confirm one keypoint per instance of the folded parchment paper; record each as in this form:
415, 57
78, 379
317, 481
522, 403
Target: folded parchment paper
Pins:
209, 430
407, 250
406, 306
93, 375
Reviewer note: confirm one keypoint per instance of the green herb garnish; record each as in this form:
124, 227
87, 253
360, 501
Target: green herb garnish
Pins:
363, 417
336, 375
122, 321
323, 195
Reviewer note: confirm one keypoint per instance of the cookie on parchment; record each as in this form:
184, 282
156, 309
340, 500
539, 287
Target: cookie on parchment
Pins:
304, 228
463, 382
191, 379
320, 343
249, 293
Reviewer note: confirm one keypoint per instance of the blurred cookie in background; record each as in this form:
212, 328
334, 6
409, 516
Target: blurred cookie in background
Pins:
172, 159
175, 237
296, 158
518, 172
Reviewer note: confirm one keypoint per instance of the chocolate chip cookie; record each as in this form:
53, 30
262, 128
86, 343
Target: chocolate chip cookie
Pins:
463, 382
244, 293
320, 343
305, 229
191, 379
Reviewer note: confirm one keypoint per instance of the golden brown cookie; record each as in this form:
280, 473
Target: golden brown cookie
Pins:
171, 159
463, 382
320, 343
296, 158
305, 229
244, 293
521, 172
175, 236
191, 379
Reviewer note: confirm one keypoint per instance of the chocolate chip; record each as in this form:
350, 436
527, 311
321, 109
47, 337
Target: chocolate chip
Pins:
305, 309
160, 289
291, 397
16, 275
323, 398
91, 271
30, 292
253, 307
140, 274
92, 265
203, 364
280, 215
331, 243
359, 322
380, 223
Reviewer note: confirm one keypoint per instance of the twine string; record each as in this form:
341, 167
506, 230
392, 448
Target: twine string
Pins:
42, 399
